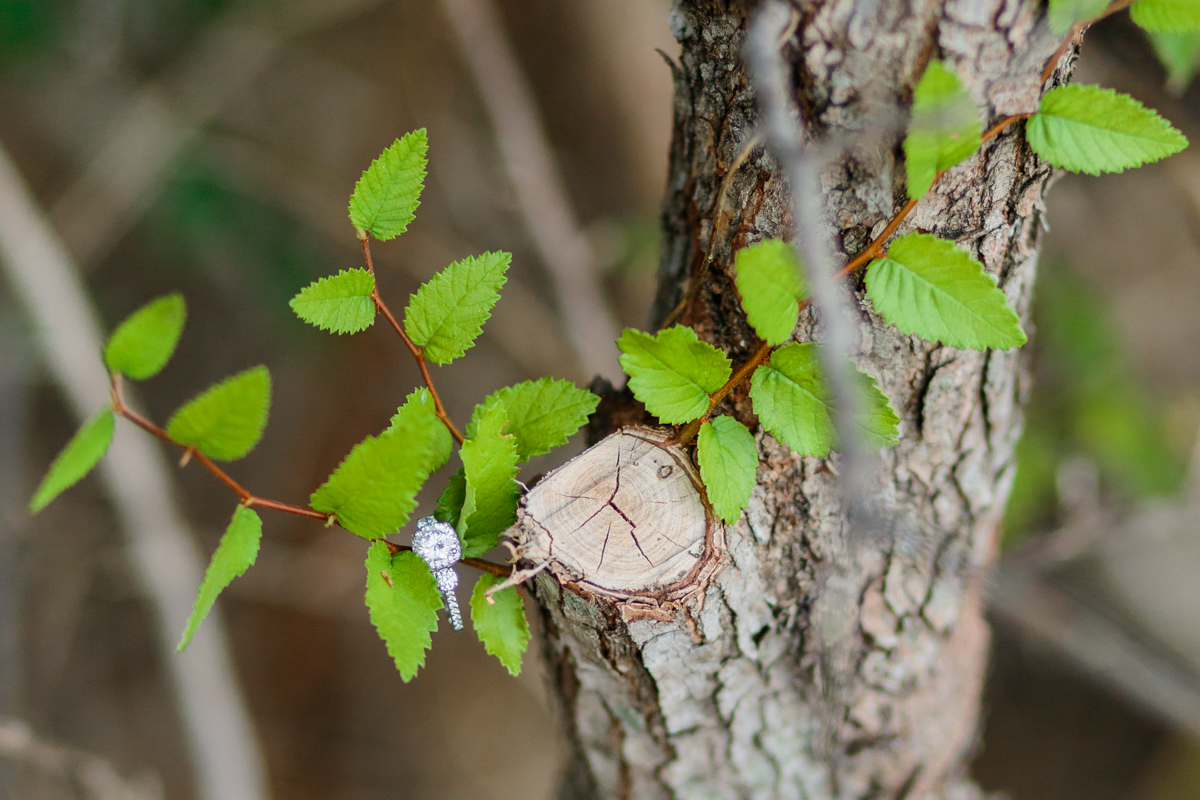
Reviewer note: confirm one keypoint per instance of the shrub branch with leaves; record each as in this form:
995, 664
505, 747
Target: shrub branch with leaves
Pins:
923, 285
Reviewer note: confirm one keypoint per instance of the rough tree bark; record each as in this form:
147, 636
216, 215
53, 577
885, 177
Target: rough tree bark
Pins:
806, 672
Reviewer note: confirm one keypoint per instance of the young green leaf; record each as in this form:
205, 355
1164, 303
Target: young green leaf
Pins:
792, 399
1062, 14
944, 129
674, 372
341, 303
76, 459
403, 601
227, 420
450, 504
728, 460
928, 287
1166, 16
143, 344
448, 311
419, 409
769, 281
490, 463
1179, 54
500, 625
1093, 130
236, 552
386, 197
374, 489
542, 414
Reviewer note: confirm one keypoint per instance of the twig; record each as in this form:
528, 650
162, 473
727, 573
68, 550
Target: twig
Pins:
759, 357
499, 570
248, 499
417, 353
876, 246
720, 224
226, 760
1074, 33
544, 202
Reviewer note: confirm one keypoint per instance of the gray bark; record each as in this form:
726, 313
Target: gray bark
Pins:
814, 668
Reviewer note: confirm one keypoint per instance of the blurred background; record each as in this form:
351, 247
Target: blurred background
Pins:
210, 146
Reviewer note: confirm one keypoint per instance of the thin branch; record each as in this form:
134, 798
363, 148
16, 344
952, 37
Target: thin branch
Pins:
499, 570
875, 248
417, 353
720, 224
121, 407
1075, 32
248, 499
759, 357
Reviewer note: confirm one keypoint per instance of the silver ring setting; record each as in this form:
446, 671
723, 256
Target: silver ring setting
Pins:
437, 544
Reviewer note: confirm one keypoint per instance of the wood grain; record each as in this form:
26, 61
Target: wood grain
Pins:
625, 516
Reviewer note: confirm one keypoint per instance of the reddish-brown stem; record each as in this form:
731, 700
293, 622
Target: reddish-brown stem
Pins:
760, 356
875, 248
1075, 31
248, 499
499, 570
1072, 35
287, 507
417, 354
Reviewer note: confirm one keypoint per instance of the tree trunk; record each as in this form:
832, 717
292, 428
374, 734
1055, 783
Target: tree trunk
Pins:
814, 667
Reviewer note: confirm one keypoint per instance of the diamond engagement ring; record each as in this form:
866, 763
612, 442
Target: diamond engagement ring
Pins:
438, 546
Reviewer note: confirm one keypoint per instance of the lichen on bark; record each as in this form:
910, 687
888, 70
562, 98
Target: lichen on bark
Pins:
812, 669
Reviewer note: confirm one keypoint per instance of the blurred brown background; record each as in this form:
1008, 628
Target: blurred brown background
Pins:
210, 146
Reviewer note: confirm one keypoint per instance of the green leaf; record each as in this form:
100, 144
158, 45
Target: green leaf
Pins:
450, 504
341, 303
1062, 14
236, 552
143, 344
419, 410
928, 287
542, 414
386, 197
448, 311
227, 420
792, 401
1093, 130
728, 460
490, 463
76, 459
1180, 56
1166, 16
374, 489
403, 601
501, 624
944, 129
674, 372
769, 281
